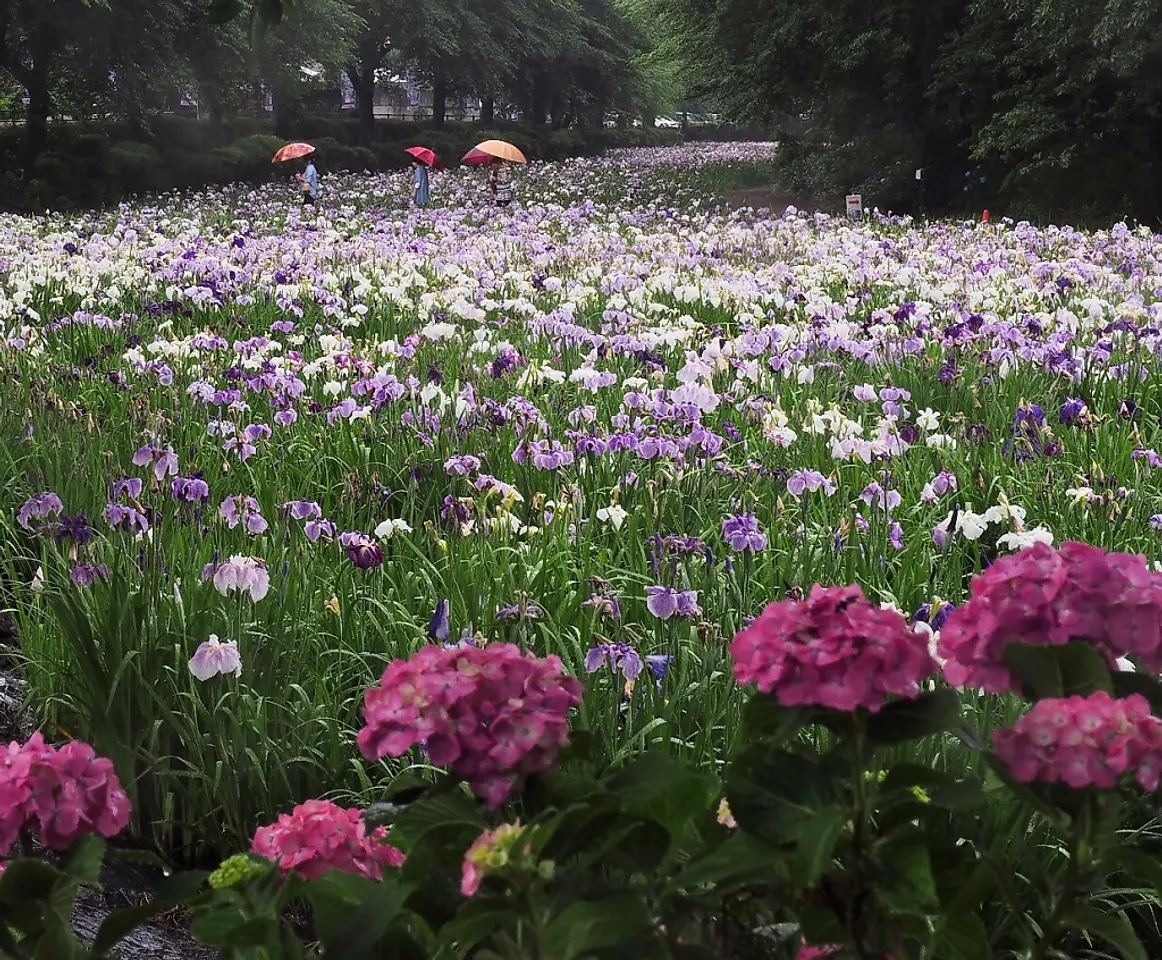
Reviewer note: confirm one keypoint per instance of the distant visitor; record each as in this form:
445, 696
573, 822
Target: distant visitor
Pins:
309, 180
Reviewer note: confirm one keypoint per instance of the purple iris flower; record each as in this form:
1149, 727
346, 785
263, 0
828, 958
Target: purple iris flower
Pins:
525, 610
86, 574
362, 550
896, 536
39, 507
802, 481
886, 500
742, 533
163, 459
190, 489
127, 486
438, 626
461, 465
303, 510
659, 663
317, 528
620, 656
666, 602
1070, 410
603, 606
245, 510
75, 528
122, 517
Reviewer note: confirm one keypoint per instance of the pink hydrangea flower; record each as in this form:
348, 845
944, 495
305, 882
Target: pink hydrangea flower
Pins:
807, 952
493, 850
1043, 595
493, 714
834, 649
318, 836
1084, 742
60, 794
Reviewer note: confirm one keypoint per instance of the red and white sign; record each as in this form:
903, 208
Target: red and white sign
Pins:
854, 205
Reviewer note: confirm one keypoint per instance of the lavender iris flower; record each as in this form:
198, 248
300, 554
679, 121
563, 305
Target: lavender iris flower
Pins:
86, 574
122, 517
620, 656
603, 606
39, 507
742, 533
666, 602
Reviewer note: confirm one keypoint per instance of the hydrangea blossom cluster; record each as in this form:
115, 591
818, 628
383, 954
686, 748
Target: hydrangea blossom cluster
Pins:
1084, 742
834, 649
58, 793
319, 835
1046, 596
493, 714
492, 852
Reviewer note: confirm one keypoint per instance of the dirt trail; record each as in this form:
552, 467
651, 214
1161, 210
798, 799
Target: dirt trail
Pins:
771, 198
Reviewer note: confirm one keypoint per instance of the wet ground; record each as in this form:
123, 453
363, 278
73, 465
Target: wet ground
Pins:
768, 198
122, 885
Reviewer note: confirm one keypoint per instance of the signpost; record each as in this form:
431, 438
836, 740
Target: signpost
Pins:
855, 205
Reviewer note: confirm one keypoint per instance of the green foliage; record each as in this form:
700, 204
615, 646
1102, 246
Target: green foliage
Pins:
1046, 107
82, 170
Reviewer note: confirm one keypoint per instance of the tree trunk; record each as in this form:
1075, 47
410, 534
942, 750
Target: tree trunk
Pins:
439, 100
364, 84
215, 114
487, 110
540, 105
35, 116
31, 68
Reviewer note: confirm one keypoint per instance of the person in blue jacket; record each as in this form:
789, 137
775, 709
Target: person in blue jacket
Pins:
421, 192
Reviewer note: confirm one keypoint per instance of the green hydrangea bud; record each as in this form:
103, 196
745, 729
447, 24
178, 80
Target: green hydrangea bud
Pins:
235, 870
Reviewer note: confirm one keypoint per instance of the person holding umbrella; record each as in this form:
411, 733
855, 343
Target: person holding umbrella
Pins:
496, 154
422, 158
499, 183
309, 178
310, 181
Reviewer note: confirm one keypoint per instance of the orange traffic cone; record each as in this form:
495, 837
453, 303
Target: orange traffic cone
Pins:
985, 218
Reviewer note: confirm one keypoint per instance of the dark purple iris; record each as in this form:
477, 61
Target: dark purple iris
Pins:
75, 528
438, 627
365, 553
1070, 410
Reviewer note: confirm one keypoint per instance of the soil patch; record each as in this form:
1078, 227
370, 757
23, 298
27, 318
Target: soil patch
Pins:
774, 199
122, 884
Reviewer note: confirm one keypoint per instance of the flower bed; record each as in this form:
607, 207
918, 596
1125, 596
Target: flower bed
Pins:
255, 454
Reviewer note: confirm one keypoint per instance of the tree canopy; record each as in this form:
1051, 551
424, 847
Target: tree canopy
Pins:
560, 61
1042, 104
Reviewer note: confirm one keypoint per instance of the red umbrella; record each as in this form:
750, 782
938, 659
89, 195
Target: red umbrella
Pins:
292, 151
424, 155
476, 155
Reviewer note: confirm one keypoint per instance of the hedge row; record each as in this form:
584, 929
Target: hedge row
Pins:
96, 164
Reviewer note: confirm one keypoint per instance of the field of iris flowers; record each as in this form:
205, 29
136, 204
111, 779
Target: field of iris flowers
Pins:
249, 454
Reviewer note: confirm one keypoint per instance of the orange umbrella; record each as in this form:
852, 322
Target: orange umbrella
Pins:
292, 151
498, 149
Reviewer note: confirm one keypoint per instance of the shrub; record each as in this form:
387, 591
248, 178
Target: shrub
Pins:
137, 167
101, 163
